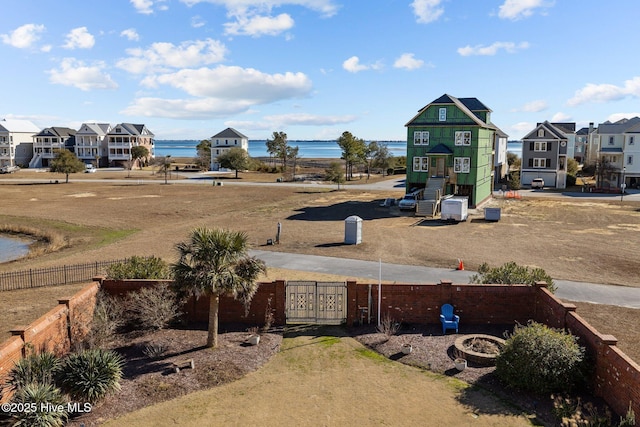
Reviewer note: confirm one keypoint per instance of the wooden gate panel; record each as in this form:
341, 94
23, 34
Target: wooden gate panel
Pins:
316, 302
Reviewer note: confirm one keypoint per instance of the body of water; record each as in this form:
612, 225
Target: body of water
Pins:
515, 147
258, 148
12, 248
307, 149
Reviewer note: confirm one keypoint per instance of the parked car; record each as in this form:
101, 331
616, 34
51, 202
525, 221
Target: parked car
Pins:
408, 202
537, 183
9, 169
89, 168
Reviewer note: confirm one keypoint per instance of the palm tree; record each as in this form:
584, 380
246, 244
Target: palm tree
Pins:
215, 262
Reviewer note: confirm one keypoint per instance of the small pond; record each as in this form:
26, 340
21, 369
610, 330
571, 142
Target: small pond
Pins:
13, 247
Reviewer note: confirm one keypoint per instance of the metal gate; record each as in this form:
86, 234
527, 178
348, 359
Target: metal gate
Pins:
316, 302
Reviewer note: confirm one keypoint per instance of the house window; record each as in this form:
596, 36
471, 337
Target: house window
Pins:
420, 164
629, 160
421, 138
541, 133
463, 138
540, 146
461, 164
630, 140
610, 140
541, 163
442, 114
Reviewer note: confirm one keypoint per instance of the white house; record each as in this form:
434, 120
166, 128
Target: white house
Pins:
618, 152
91, 143
631, 161
16, 142
224, 141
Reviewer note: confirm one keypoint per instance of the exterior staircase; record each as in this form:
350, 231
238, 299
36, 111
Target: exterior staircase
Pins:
36, 162
430, 203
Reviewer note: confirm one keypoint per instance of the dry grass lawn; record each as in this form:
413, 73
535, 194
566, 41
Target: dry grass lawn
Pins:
323, 380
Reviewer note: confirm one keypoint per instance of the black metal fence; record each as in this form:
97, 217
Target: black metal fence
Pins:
53, 276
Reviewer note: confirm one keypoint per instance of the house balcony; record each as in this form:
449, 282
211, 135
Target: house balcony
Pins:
119, 156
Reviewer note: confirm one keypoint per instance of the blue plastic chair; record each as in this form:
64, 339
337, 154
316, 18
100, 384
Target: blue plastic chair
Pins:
448, 319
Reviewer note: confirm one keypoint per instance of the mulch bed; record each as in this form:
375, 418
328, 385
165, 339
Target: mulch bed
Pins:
151, 380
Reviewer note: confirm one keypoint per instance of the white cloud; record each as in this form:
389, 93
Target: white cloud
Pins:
219, 92
619, 116
606, 92
235, 83
79, 38
164, 56
493, 49
326, 7
197, 21
353, 65
198, 108
427, 11
518, 9
523, 127
533, 106
257, 26
130, 34
73, 72
146, 7
408, 62
560, 117
24, 36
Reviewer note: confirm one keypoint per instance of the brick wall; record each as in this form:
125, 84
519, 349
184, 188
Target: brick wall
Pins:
230, 310
411, 303
55, 331
617, 377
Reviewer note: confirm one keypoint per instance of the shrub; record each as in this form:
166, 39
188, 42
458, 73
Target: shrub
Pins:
540, 359
140, 268
511, 273
388, 326
153, 307
571, 180
573, 412
514, 180
108, 317
154, 350
34, 369
40, 398
90, 375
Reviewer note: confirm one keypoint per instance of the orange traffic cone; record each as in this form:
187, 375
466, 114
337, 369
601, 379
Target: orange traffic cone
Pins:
460, 265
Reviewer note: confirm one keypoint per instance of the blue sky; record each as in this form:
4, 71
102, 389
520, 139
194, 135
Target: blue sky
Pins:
315, 68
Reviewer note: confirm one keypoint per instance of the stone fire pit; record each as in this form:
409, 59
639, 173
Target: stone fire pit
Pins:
478, 349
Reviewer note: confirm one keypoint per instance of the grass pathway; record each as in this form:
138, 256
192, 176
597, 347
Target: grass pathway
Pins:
322, 379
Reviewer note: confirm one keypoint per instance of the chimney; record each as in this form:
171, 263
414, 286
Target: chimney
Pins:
590, 127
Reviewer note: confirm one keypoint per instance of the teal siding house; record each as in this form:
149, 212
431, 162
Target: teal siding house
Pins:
453, 140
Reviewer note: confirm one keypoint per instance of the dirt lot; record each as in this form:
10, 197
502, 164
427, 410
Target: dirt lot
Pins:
575, 240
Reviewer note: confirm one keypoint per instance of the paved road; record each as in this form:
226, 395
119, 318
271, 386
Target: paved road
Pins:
566, 290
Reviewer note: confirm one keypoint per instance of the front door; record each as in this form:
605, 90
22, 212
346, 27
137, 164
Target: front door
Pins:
440, 166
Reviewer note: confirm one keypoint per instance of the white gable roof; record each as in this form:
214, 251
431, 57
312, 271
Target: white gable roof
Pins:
18, 126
